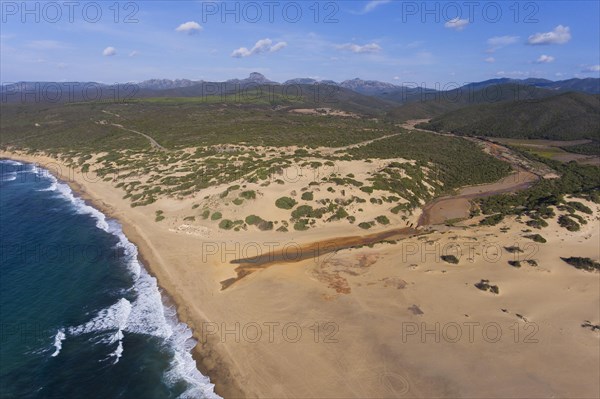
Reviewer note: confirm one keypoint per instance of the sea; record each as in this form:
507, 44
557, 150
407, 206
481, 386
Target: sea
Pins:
80, 317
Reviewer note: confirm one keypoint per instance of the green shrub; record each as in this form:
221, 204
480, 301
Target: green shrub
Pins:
263, 225
537, 223
513, 249
301, 225
285, 203
514, 263
382, 220
536, 238
301, 211
252, 219
579, 207
216, 216
366, 225
249, 195
226, 224
450, 259
492, 220
582, 263
485, 286
568, 223
307, 196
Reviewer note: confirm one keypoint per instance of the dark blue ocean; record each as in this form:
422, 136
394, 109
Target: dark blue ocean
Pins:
79, 315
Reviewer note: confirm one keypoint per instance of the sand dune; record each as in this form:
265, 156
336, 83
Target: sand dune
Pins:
391, 321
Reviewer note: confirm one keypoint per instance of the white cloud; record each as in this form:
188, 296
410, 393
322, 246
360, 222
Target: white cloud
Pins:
415, 44
518, 74
498, 42
366, 49
373, 4
560, 35
593, 68
278, 46
261, 46
544, 59
490, 60
109, 51
190, 27
134, 53
457, 24
45, 45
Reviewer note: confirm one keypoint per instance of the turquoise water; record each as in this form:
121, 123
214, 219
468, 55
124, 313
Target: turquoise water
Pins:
79, 315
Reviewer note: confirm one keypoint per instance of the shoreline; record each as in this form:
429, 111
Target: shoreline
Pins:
221, 375
224, 385
366, 293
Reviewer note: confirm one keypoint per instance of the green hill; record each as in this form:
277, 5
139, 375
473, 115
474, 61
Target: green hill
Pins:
568, 116
431, 105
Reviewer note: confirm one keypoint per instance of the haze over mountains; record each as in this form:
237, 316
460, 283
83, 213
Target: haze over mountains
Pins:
367, 87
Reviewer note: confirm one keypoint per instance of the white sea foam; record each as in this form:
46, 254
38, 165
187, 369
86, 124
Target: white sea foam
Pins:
10, 176
80, 206
112, 318
58, 339
11, 162
107, 320
10, 170
146, 314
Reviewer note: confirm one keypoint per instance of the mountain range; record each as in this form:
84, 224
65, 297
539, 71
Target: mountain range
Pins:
376, 88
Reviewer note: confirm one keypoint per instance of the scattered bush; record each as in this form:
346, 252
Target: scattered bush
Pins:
263, 225
582, 263
532, 262
568, 223
301, 225
450, 259
285, 203
216, 216
249, 195
536, 238
253, 219
484, 285
578, 206
366, 225
301, 211
492, 220
226, 224
307, 196
537, 223
382, 220
513, 249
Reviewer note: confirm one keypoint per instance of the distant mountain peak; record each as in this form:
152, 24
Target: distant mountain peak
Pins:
258, 77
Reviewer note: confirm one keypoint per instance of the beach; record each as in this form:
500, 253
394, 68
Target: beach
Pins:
387, 320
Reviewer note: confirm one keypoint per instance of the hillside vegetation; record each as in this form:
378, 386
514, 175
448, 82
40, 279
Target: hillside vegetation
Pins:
429, 105
176, 123
569, 116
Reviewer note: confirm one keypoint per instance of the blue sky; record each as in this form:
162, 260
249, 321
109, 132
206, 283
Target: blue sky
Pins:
436, 43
